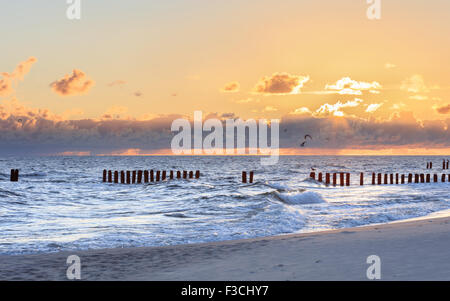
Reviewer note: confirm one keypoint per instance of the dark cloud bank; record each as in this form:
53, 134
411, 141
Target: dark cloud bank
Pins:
39, 134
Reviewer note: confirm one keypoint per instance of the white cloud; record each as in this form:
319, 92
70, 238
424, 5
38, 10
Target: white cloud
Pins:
335, 110
348, 86
373, 107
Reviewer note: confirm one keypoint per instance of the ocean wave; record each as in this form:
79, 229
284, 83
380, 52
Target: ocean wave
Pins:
278, 187
307, 197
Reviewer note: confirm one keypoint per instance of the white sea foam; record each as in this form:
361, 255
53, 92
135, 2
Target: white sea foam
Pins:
307, 197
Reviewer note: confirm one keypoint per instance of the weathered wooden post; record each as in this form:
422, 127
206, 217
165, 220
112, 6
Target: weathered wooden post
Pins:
122, 177
385, 178
422, 178
373, 178
184, 174
128, 177
428, 165
164, 175
334, 179
320, 177
14, 177
158, 175
116, 177
327, 178
197, 175
347, 179
443, 178
431, 165
191, 174
447, 165
435, 178
443, 164
133, 177
416, 178
109, 176
104, 175
139, 177
178, 174
171, 175
396, 178
391, 178
342, 178
403, 179
410, 177
145, 176
152, 176
312, 175
244, 177
251, 177
361, 179
428, 178
379, 179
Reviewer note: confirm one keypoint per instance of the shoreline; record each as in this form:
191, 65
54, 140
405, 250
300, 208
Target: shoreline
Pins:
409, 250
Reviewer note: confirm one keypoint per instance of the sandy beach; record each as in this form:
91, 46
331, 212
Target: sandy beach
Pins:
413, 250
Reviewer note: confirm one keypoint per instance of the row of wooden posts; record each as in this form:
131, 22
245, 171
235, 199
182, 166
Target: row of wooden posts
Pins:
244, 177
137, 176
378, 178
444, 164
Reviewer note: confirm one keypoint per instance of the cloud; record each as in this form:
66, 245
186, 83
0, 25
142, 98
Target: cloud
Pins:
443, 109
117, 83
246, 100
398, 106
389, 66
280, 84
335, 110
414, 84
373, 107
28, 131
418, 97
301, 111
115, 112
348, 86
75, 84
7, 80
232, 87
138, 94
270, 109
402, 130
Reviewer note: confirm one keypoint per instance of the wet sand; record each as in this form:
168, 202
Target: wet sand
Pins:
413, 250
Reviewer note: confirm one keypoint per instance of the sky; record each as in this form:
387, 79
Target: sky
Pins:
113, 81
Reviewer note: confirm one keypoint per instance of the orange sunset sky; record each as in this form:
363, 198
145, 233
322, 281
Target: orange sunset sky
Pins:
113, 81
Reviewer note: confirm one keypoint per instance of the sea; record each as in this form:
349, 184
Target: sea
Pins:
61, 203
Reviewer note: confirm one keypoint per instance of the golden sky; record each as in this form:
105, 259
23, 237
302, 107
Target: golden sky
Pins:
128, 62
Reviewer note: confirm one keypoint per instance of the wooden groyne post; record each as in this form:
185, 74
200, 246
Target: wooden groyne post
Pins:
14, 177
